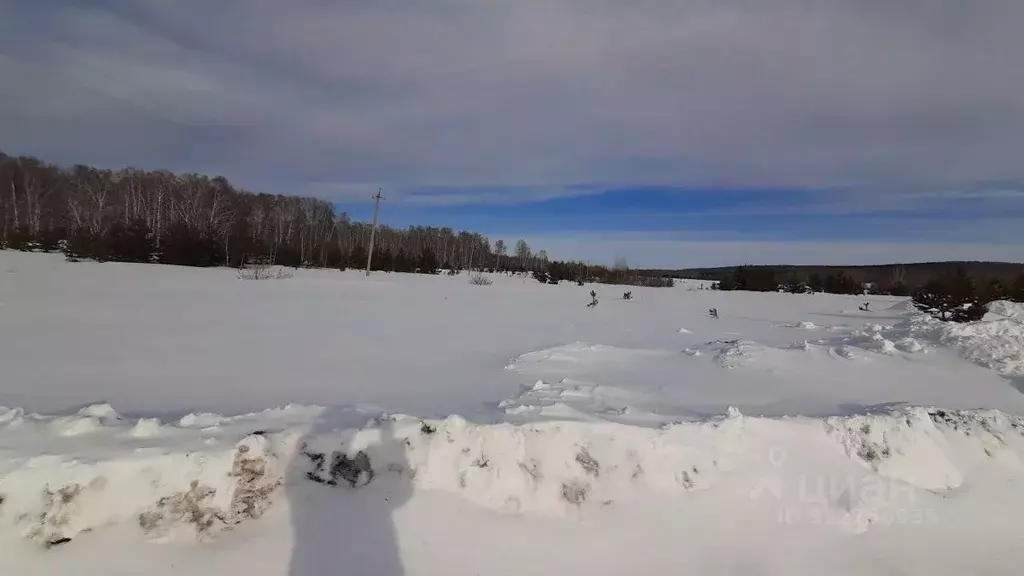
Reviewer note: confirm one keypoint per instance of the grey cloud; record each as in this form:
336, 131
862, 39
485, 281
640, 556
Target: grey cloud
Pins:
317, 95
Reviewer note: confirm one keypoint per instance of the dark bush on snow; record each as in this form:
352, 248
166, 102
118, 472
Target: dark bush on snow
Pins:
951, 298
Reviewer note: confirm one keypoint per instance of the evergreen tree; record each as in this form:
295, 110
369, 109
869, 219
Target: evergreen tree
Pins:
1016, 292
951, 298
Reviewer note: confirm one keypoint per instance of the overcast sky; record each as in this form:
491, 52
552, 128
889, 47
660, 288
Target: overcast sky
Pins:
861, 104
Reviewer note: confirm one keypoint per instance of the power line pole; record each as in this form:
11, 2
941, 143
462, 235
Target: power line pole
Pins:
373, 231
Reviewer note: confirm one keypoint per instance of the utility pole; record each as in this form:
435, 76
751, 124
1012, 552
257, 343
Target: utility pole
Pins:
373, 231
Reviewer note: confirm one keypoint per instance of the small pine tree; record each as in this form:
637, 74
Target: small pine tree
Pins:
952, 298
840, 283
899, 289
995, 290
795, 286
1016, 293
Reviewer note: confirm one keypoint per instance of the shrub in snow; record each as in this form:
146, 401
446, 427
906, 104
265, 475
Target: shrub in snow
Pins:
56, 515
252, 490
355, 470
654, 282
478, 279
952, 298
262, 268
575, 493
795, 286
190, 507
588, 463
1016, 293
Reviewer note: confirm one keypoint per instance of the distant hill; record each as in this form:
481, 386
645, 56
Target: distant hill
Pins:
914, 274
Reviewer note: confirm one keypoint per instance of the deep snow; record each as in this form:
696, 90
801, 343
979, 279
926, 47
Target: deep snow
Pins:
164, 341
794, 435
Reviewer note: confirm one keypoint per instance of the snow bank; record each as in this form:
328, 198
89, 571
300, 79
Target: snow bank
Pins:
201, 484
902, 306
1003, 309
736, 353
995, 342
805, 325
614, 428
193, 484
547, 468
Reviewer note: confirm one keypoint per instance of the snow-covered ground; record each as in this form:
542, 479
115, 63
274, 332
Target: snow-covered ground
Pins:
168, 420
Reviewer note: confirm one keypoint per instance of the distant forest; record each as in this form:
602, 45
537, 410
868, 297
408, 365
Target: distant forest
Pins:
954, 291
887, 278
915, 274
133, 215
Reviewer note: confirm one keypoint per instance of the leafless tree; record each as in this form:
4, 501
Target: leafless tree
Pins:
202, 220
523, 253
499, 251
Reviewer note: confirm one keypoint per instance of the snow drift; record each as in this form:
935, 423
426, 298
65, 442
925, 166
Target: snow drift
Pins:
855, 444
176, 481
995, 342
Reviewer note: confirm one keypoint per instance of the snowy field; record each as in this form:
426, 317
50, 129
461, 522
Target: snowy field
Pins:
165, 420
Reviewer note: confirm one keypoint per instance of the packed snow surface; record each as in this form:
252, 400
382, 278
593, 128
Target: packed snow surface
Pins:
165, 420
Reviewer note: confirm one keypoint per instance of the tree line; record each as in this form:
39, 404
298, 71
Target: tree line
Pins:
951, 295
772, 279
768, 279
133, 215
580, 272
886, 277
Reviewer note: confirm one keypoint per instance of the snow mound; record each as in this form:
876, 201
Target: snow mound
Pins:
51, 499
202, 420
735, 353
996, 343
1003, 309
548, 468
573, 400
904, 306
100, 412
803, 325
147, 428
577, 354
194, 488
